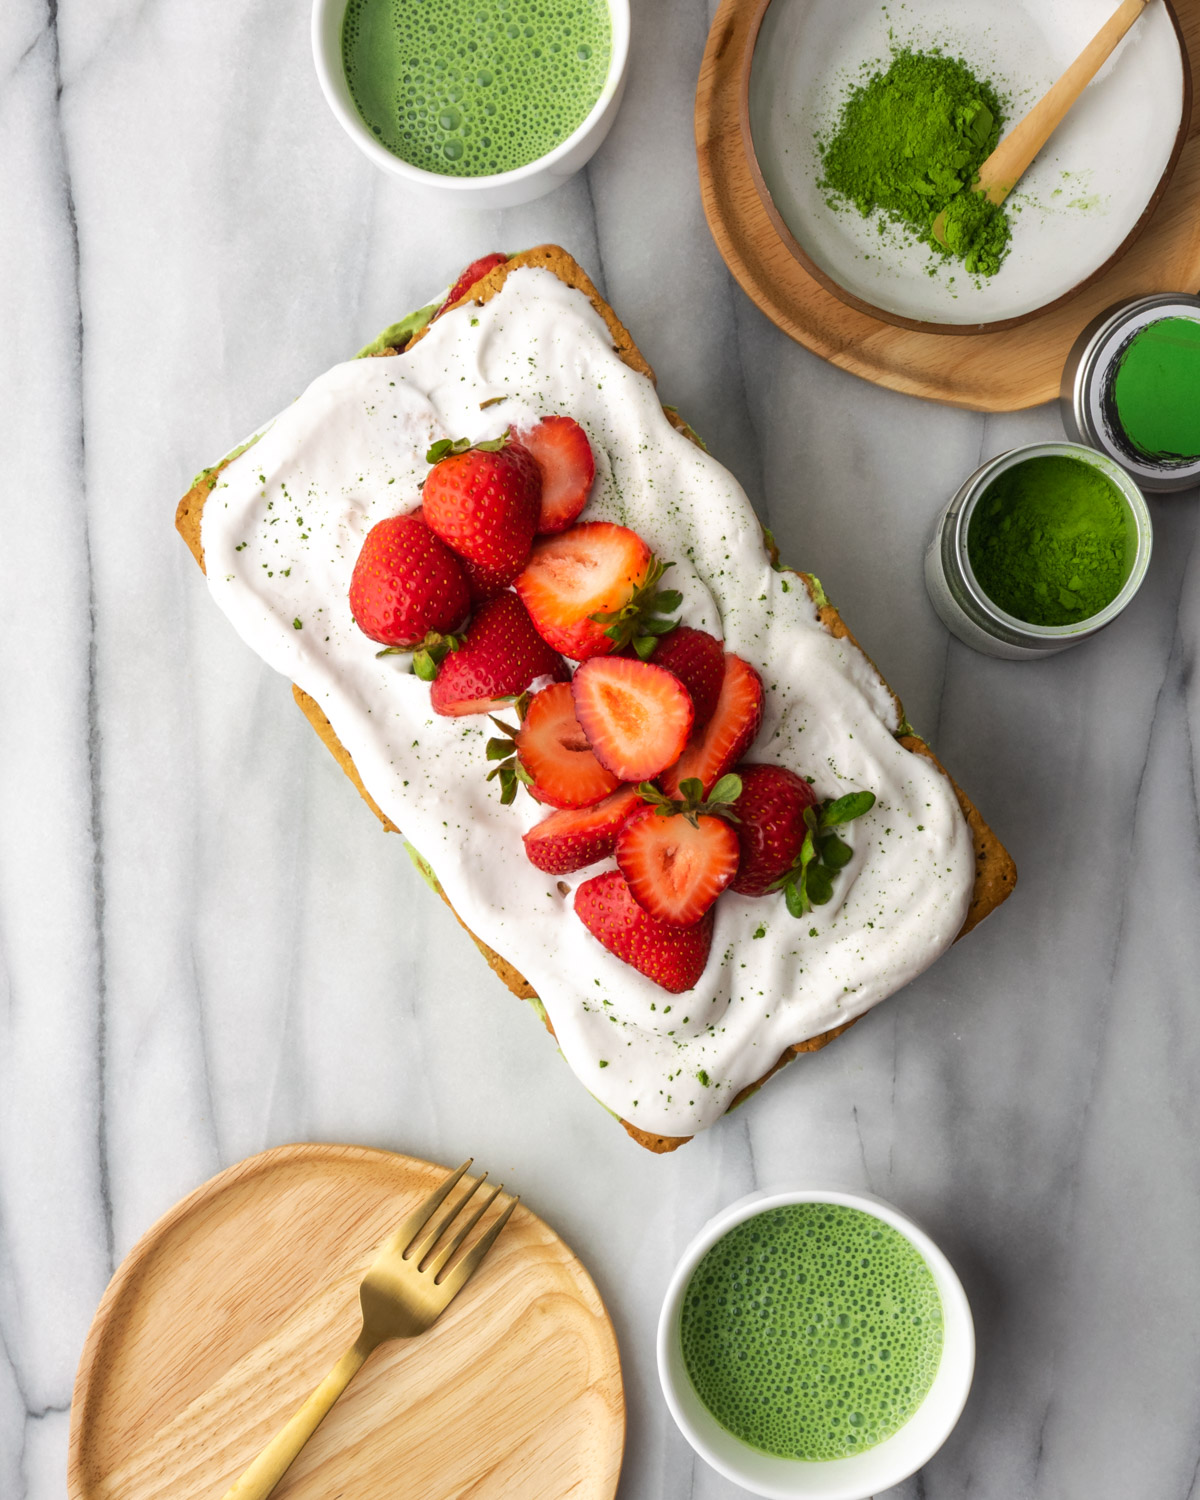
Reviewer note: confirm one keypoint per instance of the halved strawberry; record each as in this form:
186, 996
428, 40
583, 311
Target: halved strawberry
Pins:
476, 271
577, 836
406, 583
637, 716
593, 588
554, 750
698, 660
483, 502
564, 456
676, 868
673, 957
727, 735
771, 828
500, 656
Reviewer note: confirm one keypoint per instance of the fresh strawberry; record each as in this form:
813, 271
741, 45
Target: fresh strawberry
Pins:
676, 869
500, 656
574, 837
673, 957
406, 584
554, 750
771, 828
484, 583
564, 456
727, 735
593, 588
698, 660
637, 716
476, 271
483, 502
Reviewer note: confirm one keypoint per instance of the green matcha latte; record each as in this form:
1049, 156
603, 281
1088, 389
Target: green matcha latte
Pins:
812, 1331
466, 88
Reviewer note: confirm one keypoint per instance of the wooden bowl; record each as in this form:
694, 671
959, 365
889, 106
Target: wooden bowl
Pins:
1077, 211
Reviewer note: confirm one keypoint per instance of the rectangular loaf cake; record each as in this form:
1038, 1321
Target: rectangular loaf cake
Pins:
277, 527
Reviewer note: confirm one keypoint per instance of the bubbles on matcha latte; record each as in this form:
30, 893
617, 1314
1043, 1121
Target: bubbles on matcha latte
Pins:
470, 87
812, 1331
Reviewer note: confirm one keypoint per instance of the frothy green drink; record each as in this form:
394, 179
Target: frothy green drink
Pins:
471, 87
812, 1331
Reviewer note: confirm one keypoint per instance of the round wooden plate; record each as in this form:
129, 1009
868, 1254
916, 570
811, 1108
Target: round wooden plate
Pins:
998, 371
225, 1316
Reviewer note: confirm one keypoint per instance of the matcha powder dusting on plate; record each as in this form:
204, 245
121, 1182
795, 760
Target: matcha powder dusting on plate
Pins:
909, 143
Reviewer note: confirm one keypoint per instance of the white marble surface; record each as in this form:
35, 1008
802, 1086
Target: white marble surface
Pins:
206, 945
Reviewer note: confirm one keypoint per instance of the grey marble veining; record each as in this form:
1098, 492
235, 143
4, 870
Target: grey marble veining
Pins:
206, 946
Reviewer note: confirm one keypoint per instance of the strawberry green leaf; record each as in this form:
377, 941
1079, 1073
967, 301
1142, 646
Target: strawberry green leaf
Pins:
444, 447
823, 854
846, 809
644, 646
639, 618
424, 665
498, 749
818, 884
728, 789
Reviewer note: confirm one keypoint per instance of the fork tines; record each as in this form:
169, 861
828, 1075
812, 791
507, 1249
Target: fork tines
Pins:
416, 1247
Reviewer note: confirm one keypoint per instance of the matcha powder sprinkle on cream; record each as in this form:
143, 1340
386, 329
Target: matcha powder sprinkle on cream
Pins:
909, 143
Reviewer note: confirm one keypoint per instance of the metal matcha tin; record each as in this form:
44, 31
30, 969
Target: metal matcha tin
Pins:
977, 620
1087, 401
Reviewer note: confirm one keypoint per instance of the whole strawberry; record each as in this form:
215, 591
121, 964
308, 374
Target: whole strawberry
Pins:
698, 660
484, 502
500, 656
406, 584
673, 957
771, 828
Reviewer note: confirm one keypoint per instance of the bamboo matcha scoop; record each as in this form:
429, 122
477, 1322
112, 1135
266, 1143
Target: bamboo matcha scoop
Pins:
1001, 172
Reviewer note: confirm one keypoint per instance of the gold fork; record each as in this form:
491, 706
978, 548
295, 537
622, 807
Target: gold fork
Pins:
401, 1297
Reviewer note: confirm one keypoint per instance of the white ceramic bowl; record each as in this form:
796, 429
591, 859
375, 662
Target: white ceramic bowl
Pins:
499, 189
863, 1474
1080, 204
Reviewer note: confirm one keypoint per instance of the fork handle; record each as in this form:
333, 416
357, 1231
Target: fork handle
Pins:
273, 1462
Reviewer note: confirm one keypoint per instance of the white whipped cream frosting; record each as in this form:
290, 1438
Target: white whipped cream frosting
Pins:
281, 531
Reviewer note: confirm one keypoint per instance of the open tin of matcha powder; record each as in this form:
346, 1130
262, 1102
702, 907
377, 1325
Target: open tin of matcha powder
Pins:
1040, 549
1131, 389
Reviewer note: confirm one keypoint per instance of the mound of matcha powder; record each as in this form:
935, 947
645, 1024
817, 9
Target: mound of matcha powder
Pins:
909, 142
1048, 541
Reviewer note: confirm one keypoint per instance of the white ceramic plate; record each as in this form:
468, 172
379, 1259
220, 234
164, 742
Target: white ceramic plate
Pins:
1075, 207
